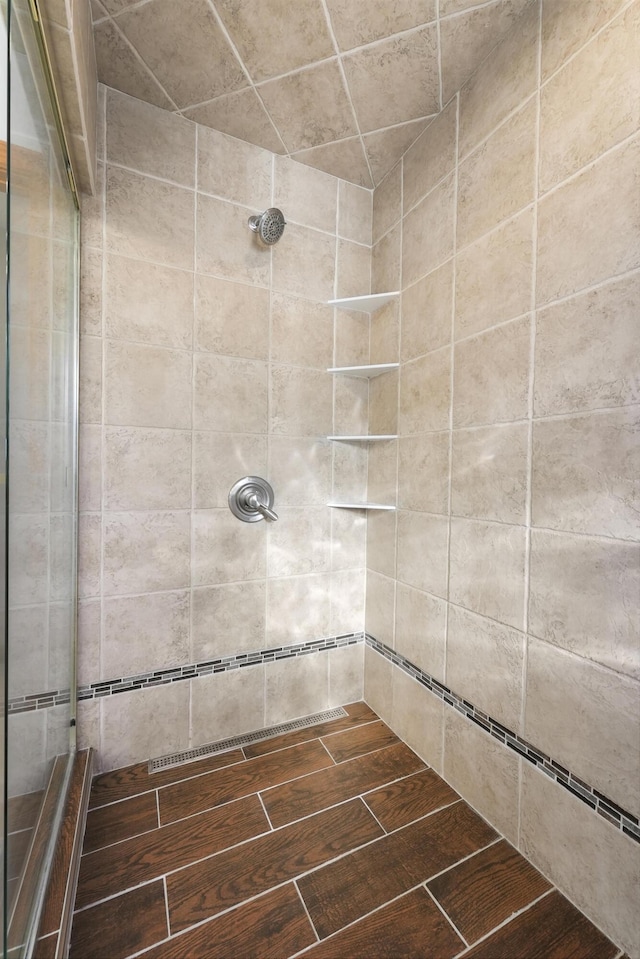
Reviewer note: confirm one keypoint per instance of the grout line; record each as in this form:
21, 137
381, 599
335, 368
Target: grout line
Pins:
445, 914
304, 906
158, 809
506, 921
264, 809
361, 797
439, 47
166, 904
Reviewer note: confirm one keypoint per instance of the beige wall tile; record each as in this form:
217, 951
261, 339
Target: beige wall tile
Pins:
583, 596
31, 466
298, 609
421, 565
147, 386
381, 20
426, 313
149, 219
378, 689
351, 338
380, 607
483, 772
491, 376
227, 704
585, 471
497, 179
150, 140
90, 291
346, 675
302, 245
88, 720
487, 569
29, 634
233, 170
383, 147
301, 332
585, 350
143, 724
353, 269
342, 158
593, 102
226, 247
431, 157
421, 625
575, 251
484, 665
305, 195
425, 392
350, 408
90, 468
383, 404
30, 397
423, 472
489, 473
300, 402
349, 481
381, 542
230, 395
89, 641
494, 277
355, 208
347, 601
566, 28
348, 539
385, 334
91, 216
300, 470
219, 459
417, 717
587, 718
226, 550
144, 630
89, 559
427, 237
120, 68
148, 302
227, 620
300, 542
396, 80
387, 202
145, 551
386, 262
147, 469
296, 687
240, 114
231, 318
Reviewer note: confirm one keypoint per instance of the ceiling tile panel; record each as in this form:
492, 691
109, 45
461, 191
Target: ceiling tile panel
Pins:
276, 36
310, 107
385, 147
184, 46
241, 115
345, 159
119, 67
356, 22
395, 80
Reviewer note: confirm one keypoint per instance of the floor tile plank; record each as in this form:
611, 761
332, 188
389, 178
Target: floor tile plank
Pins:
357, 713
356, 742
118, 927
271, 927
185, 798
551, 929
308, 795
483, 891
409, 799
346, 890
131, 780
411, 927
111, 870
201, 890
130, 817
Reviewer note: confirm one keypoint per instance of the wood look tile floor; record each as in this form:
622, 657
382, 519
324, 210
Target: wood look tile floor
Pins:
332, 842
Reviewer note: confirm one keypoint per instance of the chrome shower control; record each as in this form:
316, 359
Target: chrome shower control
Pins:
251, 499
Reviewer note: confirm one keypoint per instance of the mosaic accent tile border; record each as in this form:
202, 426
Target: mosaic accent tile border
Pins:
604, 806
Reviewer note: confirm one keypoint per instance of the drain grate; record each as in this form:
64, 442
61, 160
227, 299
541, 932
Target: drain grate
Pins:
211, 749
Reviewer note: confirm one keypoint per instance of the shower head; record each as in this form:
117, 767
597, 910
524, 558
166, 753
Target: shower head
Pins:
269, 225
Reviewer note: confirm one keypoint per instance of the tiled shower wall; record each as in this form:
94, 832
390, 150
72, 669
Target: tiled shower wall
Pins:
510, 571
203, 359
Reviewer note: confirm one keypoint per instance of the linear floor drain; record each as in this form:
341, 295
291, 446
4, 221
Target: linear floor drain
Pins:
201, 752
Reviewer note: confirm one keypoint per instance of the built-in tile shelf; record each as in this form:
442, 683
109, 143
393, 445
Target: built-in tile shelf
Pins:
364, 438
365, 371
365, 304
361, 506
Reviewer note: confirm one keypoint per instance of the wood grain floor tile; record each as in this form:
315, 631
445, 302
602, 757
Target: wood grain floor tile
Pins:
356, 742
253, 775
46, 947
403, 802
412, 927
120, 926
357, 713
551, 929
131, 780
206, 888
109, 824
111, 870
346, 890
308, 795
483, 891
22, 811
271, 927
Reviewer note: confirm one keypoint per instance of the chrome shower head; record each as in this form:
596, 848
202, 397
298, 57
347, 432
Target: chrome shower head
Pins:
269, 226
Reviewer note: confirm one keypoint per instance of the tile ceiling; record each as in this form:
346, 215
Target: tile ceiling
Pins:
342, 85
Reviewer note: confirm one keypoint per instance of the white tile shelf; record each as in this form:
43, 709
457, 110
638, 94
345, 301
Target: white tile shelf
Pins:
361, 506
365, 371
365, 304
364, 438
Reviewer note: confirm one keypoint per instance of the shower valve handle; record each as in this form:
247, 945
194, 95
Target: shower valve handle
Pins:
254, 503
251, 499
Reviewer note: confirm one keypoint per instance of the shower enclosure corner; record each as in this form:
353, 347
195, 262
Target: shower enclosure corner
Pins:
38, 501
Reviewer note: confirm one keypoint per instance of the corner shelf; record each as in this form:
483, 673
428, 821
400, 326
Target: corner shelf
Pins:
379, 506
364, 371
365, 304
364, 438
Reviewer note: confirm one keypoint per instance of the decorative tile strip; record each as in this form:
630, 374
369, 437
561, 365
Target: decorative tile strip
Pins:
604, 806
